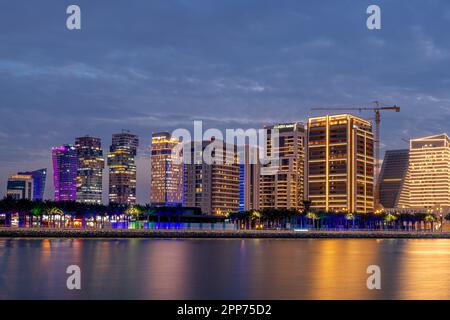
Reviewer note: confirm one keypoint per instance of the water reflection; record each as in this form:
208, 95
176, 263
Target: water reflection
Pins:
224, 269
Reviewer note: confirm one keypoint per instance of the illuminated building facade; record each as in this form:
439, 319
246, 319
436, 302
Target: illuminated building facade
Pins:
249, 171
284, 187
39, 179
427, 183
340, 164
65, 173
20, 186
212, 187
166, 186
90, 169
122, 168
392, 176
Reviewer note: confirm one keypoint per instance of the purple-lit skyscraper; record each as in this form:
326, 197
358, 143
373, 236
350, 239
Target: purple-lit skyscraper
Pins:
65, 173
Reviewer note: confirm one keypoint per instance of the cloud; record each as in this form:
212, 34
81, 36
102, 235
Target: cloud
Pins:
427, 46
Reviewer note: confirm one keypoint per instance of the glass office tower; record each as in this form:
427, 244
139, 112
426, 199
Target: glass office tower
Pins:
65, 173
122, 168
90, 169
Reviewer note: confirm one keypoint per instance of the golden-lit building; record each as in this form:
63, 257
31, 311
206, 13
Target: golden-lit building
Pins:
213, 187
122, 168
340, 164
166, 187
283, 187
427, 183
89, 169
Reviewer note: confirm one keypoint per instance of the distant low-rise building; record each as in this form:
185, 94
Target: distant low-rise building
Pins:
39, 180
20, 186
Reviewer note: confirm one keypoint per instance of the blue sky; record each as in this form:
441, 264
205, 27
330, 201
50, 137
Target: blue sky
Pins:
159, 65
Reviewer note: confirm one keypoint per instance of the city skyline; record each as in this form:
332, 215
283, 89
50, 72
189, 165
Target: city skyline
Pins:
311, 135
168, 74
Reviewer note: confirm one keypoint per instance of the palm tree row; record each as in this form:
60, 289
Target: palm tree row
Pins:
56, 213
281, 218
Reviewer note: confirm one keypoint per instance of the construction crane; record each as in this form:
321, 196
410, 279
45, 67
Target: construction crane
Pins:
377, 108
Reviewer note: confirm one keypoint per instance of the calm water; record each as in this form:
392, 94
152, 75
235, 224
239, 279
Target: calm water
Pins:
224, 269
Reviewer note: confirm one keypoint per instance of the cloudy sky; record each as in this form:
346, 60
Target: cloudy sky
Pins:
149, 65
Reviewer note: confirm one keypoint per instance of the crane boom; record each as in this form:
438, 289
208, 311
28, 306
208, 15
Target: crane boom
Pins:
395, 108
377, 108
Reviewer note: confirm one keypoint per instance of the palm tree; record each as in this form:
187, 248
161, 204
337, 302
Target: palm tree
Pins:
133, 212
256, 216
430, 218
313, 216
348, 217
149, 212
55, 211
389, 218
37, 212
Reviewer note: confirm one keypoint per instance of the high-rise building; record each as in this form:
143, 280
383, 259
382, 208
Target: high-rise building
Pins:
20, 186
284, 187
90, 169
427, 183
213, 187
340, 164
65, 173
392, 176
39, 178
249, 171
166, 187
122, 168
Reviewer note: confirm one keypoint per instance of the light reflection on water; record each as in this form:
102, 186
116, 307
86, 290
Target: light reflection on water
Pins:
224, 269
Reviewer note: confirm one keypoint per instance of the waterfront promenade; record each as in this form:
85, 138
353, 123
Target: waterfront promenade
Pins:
216, 234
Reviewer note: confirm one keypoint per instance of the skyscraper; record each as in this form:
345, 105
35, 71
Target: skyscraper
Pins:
20, 186
340, 164
122, 168
90, 169
427, 183
65, 173
392, 176
39, 178
285, 187
166, 187
249, 171
212, 187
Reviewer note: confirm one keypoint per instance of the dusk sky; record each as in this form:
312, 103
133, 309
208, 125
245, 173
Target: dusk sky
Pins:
159, 65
